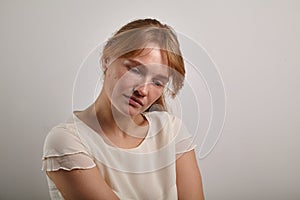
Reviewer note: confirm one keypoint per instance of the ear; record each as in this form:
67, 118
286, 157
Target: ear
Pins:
104, 64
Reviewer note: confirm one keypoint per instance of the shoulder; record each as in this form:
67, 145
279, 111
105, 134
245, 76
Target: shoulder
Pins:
164, 122
169, 123
164, 119
59, 131
62, 139
162, 116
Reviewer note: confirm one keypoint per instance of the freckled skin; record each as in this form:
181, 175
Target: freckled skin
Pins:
120, 81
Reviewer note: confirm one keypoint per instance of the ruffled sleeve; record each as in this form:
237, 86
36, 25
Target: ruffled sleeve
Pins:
63, 149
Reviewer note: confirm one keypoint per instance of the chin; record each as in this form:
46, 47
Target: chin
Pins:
134, 111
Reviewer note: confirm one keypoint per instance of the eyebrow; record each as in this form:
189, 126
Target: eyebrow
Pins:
135, 62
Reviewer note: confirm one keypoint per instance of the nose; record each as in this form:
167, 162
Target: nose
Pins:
141, 90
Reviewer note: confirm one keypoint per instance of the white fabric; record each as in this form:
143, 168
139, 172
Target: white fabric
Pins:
145, 172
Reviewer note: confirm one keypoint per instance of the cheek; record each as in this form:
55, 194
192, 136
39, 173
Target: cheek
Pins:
119, 83
110, 82
156, 94
127, 81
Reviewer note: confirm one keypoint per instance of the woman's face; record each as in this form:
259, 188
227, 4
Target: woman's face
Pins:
134, 84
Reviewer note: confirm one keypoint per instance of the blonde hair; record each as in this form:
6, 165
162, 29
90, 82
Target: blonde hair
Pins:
132, 39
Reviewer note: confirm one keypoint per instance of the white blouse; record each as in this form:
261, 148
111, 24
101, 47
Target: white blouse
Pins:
147, 171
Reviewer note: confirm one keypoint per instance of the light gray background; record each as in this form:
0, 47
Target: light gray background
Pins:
255, 44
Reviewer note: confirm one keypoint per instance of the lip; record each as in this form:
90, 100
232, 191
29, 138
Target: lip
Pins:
134, 101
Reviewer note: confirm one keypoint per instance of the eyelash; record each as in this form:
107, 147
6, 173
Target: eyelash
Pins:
158, 83
136, 70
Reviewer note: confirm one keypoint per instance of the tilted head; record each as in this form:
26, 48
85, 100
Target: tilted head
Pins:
136, 37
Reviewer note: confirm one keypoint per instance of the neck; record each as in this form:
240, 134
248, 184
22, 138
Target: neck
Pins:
113, 121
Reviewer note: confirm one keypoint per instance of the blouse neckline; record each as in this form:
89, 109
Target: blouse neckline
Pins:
112, 145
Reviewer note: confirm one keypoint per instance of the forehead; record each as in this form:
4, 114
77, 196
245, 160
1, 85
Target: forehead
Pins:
151, 56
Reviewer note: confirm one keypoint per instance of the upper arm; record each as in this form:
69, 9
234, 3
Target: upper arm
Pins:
82, 184
188, 177
70, 166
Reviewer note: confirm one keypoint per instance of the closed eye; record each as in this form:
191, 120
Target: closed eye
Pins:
132, 67
134, 70
158, 83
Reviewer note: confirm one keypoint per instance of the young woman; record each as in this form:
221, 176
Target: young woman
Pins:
126, 145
